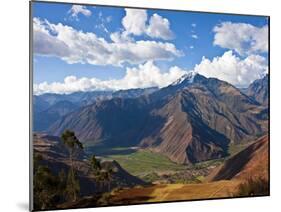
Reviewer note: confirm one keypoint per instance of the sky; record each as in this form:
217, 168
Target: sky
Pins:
87, 48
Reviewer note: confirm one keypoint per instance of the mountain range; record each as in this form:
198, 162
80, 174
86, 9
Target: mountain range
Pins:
49, 107
194, 119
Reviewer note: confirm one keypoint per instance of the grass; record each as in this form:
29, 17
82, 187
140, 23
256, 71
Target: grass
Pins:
143, 162
149, 165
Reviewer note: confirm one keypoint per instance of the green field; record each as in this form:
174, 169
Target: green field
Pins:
143, 162
148, 165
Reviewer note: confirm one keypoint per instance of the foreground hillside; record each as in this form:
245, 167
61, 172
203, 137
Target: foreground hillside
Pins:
175, 192
55, 156
252, 162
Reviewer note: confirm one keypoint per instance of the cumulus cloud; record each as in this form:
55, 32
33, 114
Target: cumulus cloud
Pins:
142, 76
232, 69
228, 67
75, 46
243, 38
135, 22
77, 9
159, 27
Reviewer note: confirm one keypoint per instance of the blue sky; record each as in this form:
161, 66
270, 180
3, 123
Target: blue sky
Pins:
193, 36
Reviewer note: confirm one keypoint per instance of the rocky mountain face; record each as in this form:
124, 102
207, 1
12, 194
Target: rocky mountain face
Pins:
191, 120
259, 90
43, 119
251, 162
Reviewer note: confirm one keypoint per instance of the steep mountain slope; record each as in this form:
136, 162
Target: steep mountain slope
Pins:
114, 122
189, 121
258, 90
200, 121
250, 162
182, 136
45, 118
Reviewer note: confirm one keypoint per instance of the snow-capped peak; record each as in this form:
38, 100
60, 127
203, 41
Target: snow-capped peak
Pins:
186, 77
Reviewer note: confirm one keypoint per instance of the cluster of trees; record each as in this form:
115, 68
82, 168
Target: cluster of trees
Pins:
48, 188
52, 189
103, 176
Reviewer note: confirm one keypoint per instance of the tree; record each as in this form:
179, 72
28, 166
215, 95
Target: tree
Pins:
95, 164
48, 187
45, 188
95, 168
72, 186
72, 143
74, 146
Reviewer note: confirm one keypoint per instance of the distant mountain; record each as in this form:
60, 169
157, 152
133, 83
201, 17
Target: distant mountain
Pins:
250, 162
43, 119
189, 121
258, 90
134, 93
86, 98
39, 104
117, 120
81, 98
48, 108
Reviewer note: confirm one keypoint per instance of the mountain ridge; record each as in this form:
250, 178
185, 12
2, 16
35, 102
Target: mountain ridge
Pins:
205, 105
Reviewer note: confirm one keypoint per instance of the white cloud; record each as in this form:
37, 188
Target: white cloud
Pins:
76, 9
134, 22
75, 46
228, 67
142, 76
159, 27
244, 38
194, 36
193, 25
232, 69
45, 43
191, 47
